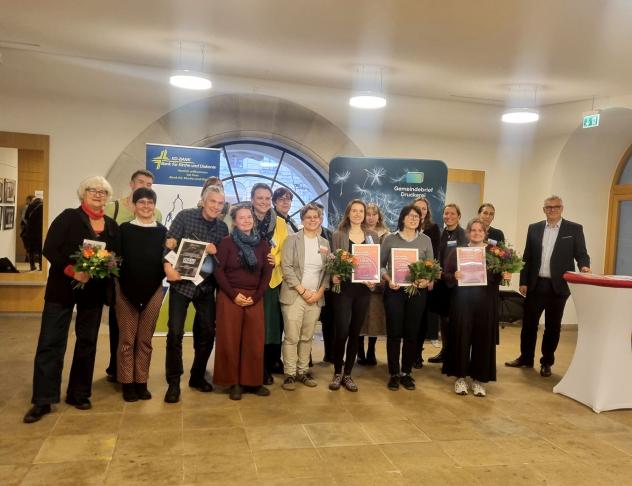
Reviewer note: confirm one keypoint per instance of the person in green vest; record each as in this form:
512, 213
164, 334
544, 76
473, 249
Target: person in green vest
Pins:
122, 211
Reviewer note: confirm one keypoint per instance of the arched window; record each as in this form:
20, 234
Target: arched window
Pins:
245, 163
619, 243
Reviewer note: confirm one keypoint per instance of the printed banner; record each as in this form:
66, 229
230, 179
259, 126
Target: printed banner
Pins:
179, 174
389, 183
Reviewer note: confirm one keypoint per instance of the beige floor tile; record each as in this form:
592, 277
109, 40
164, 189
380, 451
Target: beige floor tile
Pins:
220, 468
214, 418
394, 431
518, 475
107, 401
311, 414
269, 415
67, 473
94, 423
500, 426
587, 447
207, 441
376, 479
595, 423
289, 463
415, 456
477, 453
19, 450
531, 449
448, 430
11, 423
619, 471
337, 434
444, 475
77, 447
572, 472
315, 481
267, 437
154, 471
149, 444
12, 475
622, 441
382, 411
351, 460
156, 405
135, 423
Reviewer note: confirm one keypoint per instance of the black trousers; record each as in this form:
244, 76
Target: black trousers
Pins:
327, 321
403, 320
351, 305
429, 328
114, 339
542, 299
51, 348
203, 333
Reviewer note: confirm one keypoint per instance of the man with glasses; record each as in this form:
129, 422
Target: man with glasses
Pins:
552, 248
122, 211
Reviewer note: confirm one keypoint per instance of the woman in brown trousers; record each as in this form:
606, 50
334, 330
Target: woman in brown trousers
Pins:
243, 275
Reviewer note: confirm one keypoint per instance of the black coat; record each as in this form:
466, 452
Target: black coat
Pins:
570, 246
65, 236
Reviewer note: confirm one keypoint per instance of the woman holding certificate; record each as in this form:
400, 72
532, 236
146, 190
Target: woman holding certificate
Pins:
470, 349
243, 275
352, 303
403, 309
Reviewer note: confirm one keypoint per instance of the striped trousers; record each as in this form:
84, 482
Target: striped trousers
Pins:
136, 328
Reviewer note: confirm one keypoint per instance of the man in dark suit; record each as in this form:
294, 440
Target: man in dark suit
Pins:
552, 248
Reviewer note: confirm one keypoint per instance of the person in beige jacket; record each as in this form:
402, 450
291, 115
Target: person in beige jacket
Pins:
303, 261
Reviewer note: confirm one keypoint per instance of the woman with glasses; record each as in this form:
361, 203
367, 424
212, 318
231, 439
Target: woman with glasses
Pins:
139, 294
243, 275
67, 233
403, 311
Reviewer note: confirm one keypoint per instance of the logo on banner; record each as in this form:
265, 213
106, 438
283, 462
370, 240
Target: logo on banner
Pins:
163, 157
414, 177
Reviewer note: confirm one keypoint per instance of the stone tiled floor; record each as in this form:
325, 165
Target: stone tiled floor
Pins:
521, 433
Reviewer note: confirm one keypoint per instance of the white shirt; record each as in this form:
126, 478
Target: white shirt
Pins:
313, 264
548, 242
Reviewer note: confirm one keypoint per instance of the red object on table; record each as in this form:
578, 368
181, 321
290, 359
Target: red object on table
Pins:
600, 280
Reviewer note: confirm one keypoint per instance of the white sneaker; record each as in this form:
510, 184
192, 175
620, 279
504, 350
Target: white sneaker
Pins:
460, 387
435, 343
478, 389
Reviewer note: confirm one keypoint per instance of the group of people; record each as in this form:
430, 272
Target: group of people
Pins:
265, 285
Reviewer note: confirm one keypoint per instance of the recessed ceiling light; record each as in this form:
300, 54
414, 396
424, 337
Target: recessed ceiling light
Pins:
520, 115
190, 80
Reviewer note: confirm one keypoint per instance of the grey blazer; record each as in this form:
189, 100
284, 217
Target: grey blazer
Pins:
292, 263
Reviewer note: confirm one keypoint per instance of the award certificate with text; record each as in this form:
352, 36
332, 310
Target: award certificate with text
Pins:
400, 259
189, 259
368, 269
471, 262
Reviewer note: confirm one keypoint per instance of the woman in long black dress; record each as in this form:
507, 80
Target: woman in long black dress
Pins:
470, 349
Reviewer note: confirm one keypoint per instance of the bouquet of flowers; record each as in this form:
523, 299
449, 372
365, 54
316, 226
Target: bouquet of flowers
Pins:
96, 262
501, 259
422, 270
341, 263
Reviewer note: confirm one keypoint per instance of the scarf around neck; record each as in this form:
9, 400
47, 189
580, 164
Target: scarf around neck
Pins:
246, 244
91, 213
266, 226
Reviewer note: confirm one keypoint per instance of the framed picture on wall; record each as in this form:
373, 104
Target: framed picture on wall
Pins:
8, 218
9, 191
1, 191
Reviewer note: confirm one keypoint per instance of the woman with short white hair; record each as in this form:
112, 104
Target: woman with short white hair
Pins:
67, 233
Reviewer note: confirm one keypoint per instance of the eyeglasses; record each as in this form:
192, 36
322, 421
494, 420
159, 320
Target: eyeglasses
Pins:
412, 216
552, 208
97, 192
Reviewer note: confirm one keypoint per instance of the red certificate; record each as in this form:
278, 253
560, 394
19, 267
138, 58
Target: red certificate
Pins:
471, 263
368, 269
400, 259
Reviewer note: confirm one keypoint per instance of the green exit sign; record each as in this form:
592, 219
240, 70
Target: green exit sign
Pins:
591, 120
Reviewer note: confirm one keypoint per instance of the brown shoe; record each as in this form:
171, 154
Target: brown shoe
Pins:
519, 363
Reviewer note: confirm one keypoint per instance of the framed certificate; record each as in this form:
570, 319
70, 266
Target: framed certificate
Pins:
368, 269
400, 259
471, 262
189, 259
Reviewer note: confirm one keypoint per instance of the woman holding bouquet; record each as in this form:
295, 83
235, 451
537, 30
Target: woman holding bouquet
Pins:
243, 275
470, 349
139, 294
66, 288
352, 303
403, 310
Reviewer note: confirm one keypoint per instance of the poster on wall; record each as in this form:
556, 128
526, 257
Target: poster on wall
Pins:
9, 191
8, 218
389, 183
179, 174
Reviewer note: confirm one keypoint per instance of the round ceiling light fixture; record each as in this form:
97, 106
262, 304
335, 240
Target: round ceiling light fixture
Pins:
520, 115
187, 79
368, 101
